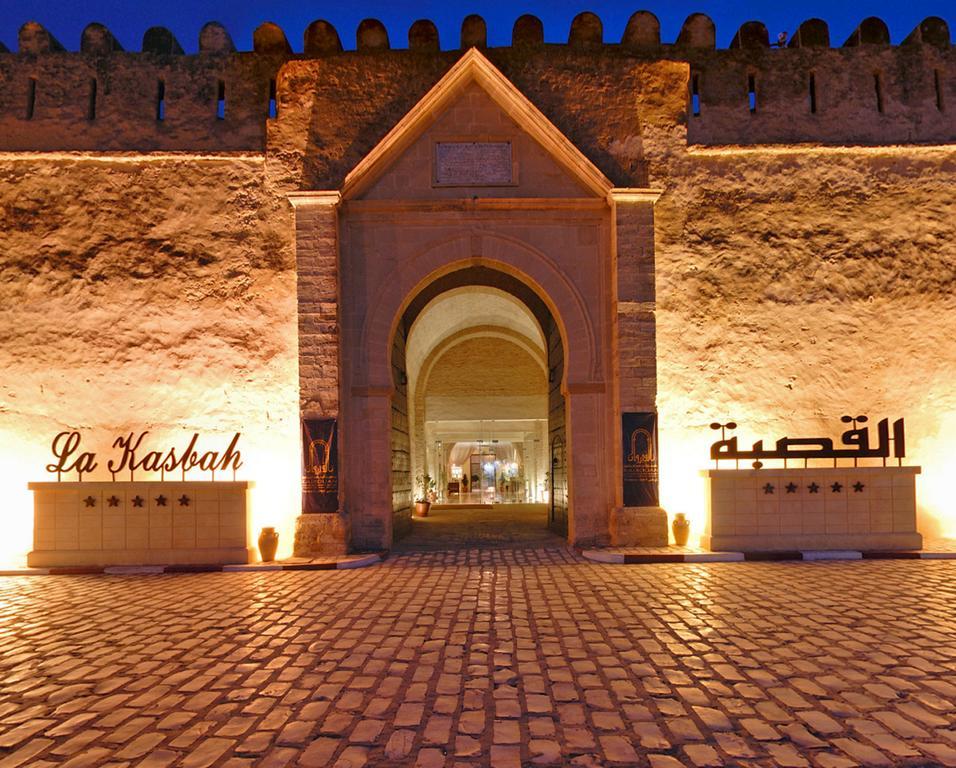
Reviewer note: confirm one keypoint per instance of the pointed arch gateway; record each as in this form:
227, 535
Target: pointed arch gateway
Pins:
477, 361
473, 188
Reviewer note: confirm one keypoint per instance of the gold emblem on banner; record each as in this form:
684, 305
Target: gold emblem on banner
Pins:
640, 462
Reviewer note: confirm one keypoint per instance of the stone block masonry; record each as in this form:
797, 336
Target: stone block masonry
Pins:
103, 98
140, 523
318, 308
837, 508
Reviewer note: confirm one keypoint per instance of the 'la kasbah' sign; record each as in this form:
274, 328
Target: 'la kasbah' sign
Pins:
133, 458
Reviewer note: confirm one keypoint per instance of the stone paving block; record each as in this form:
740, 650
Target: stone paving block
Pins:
16, 736
94, 756
829, 760
77, 743
664, 761
430, 758
913, 710
683, 729
944, 753
893, 745
352, 757
409, 715
651, 736
366, 732
71, 725
703, 755
734, 745
159, 758
505, 756
820, 723
466, 746
607, 721
319, 753
617, 749
799, 735
787, 756
713, 719
760, 730
26, 753
862, 752
506, 732
544, 751
140, 746
578, 740
399, 744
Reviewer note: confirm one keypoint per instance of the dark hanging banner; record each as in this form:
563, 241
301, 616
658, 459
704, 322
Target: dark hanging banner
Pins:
320, 465
639, 431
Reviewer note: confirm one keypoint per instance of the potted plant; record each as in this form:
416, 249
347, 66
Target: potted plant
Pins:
425, 486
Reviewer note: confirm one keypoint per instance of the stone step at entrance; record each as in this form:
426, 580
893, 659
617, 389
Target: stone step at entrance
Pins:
492, 526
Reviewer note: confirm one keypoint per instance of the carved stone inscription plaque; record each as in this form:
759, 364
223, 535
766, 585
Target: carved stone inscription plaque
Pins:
473, 163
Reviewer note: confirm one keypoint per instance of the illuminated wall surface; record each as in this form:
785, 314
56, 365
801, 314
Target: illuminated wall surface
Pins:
794, 283
151, 295
798, 285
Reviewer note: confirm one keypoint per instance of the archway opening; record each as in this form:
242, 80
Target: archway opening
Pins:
477, 364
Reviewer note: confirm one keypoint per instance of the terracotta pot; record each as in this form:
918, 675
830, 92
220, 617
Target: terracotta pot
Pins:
681, 528
421, 508
268, 544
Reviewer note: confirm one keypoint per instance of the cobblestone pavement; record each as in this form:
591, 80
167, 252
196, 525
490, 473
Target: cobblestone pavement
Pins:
485, 657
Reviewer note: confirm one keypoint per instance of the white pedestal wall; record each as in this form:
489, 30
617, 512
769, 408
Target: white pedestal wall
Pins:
177, 523
744, 516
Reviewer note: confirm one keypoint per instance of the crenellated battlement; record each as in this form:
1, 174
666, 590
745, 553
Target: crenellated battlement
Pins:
756, 91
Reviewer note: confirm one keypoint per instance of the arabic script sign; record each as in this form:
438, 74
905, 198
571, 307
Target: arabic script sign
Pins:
787, 449
473, 163
320, 465
69, 457
639, 432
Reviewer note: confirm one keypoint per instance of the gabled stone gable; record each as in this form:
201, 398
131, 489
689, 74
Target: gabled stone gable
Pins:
475, 117
335, 111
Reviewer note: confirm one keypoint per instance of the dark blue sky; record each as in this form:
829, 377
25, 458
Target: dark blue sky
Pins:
128, 20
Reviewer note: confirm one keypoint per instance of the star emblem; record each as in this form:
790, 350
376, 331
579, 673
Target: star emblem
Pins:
858, 487
813, 488
113, 501
836, 487
768, 489
791, 487
184, 500
89, 501
137, 501
160, 501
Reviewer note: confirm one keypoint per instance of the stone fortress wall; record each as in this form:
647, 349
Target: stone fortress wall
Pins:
805, 263
101, 97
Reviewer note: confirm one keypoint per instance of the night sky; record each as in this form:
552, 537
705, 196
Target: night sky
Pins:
128, 20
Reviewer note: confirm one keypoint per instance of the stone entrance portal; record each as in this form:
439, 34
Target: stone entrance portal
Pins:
476, 363
475, 224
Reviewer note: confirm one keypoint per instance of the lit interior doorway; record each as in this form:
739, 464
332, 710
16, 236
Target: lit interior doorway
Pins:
477, 407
